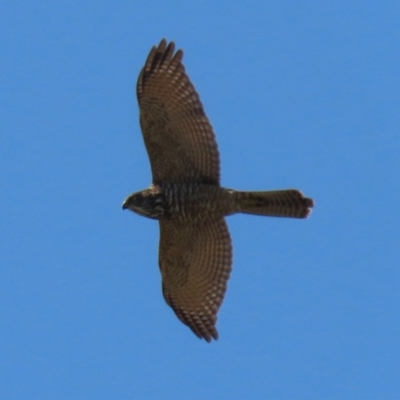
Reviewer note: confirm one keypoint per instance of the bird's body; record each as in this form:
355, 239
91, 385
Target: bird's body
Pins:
186, 197
193, 201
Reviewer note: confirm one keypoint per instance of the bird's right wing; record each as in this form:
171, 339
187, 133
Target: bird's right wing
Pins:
195, 263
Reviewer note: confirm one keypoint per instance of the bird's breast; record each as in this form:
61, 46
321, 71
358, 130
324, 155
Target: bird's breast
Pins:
192, 201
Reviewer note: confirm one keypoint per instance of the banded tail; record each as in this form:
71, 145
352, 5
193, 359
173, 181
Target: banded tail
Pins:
280, 203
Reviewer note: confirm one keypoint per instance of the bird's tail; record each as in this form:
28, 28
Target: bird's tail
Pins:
279, 203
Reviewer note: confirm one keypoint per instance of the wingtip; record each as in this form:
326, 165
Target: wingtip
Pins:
164, 44
209, 337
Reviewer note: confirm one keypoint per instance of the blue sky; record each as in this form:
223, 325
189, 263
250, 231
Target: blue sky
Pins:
301, 95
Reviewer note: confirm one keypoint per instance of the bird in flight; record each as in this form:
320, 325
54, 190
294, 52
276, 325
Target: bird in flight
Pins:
195, 251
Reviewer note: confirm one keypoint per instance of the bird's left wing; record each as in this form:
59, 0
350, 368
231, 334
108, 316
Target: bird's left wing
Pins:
177, 133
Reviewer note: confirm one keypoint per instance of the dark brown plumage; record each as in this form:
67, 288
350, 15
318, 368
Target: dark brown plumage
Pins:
195, 255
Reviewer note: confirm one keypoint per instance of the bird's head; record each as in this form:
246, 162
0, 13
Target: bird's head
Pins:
148, 203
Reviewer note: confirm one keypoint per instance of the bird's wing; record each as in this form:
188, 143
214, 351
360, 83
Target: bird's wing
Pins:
195, 263
178, 135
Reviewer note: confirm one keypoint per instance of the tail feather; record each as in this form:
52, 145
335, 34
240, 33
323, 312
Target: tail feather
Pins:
279, 203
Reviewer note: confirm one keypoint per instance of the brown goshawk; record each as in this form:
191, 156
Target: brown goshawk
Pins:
195, 254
